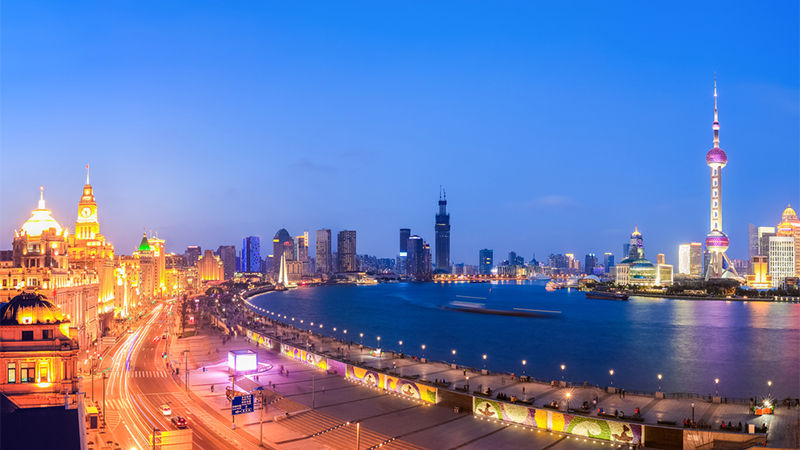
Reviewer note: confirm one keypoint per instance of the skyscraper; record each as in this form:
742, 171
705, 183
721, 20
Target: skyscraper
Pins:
442, 229
346, 250
416, 263
781, 258
227, 254
717, 242
764, 233
684, 259
402, 255
608, 262
660, 259
301, 250
752, 245
591, 261
485, 262
282, 245
636, 246
323, 251
251, 254
192, 253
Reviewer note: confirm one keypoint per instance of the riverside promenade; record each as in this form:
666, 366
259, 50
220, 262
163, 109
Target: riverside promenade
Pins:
309, 408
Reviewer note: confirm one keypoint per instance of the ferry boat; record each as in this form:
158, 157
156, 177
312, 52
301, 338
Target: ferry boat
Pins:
606, 295
539, 276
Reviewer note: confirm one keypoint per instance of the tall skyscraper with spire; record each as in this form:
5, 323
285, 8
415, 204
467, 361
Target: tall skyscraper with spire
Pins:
443, 235
717, 242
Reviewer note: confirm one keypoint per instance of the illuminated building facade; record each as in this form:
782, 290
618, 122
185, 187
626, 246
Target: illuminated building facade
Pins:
159, 265
323, 250
147, 271
781, 259
251, 255
760, 277
442, 230
418, 259
192, 253
210, 267
38, 354
301, 250
402, 255
789, 221
346, 251
717, 242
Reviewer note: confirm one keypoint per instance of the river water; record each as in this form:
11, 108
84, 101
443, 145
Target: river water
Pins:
690, 343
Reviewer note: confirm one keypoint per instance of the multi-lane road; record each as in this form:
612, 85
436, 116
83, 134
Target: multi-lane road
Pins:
138, 383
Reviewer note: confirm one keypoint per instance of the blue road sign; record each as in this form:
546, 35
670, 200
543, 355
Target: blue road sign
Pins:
242, 404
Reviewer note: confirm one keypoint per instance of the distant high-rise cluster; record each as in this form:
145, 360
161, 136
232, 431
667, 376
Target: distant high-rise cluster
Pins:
778, 252
346, 251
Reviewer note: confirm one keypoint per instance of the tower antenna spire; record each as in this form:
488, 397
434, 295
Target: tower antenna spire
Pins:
715, 126
87, 174
41, 197
440, 192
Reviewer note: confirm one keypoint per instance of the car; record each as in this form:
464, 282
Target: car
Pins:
163, 336
157, 338
165, 410
179, 422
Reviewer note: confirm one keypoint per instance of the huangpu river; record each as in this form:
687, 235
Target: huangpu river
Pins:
690, 343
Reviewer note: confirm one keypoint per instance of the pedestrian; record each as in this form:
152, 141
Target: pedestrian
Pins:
465, 372
523, 390
323, 389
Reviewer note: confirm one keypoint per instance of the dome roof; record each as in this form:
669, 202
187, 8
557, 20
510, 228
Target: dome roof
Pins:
641, 264
626, 261
283, 235
716, 156
636, 231
788, 214
785, 229
29, 308
40, 221
717, 240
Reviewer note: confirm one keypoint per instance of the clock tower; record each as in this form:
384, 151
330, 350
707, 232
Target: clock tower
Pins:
88, 250
87, 226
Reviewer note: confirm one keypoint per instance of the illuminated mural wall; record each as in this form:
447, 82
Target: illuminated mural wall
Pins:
400, 386
319, 361
564, 423
261, 341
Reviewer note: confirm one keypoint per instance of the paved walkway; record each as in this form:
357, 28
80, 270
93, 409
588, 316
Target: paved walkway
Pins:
318, 418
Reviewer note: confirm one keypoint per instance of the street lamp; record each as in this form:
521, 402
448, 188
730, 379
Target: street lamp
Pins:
423, 351
659, 382
484, 362
692, 413
523, 366
454, 357
769, 383
379, 341
568, 395
562, 371
362, 338
716, 380
612, 376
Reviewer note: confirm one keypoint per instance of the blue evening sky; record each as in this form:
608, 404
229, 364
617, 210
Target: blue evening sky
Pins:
554, 127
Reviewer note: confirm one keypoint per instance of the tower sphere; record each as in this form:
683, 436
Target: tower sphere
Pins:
716, 156
717, 241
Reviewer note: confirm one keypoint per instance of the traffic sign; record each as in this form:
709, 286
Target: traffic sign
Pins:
242, 404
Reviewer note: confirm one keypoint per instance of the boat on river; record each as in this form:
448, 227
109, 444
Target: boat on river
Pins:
606, 295
480, 308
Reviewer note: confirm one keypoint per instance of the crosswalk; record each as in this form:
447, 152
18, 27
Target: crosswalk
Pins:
112, 418
147, 373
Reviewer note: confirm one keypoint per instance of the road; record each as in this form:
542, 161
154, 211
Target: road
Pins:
138, 383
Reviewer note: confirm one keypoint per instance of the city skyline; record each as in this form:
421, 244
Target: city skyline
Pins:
638, 123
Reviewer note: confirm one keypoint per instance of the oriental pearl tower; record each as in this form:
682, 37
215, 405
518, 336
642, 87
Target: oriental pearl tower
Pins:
717, 242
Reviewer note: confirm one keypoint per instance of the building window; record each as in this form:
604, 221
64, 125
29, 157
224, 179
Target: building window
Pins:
44, 372
5, 282
47, 334
12, 372
715, 182
27, 335
27, 372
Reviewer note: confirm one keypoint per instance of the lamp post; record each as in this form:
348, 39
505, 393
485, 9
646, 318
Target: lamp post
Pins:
659, 382
454, 357
692, 413
313, 389
401, 347
568, 396
484, 362
716, 380
769, 383
562, 371
361, 341
358, 435
104, 399
379, 342
523, 367
612, 376
423, 351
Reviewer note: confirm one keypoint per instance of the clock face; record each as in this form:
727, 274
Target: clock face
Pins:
86, 212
